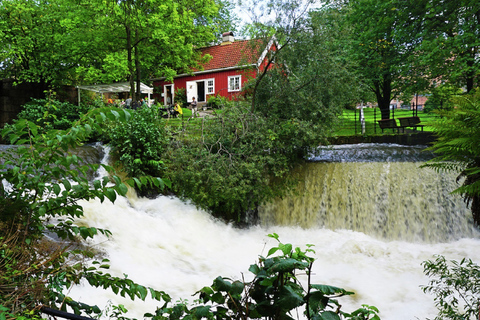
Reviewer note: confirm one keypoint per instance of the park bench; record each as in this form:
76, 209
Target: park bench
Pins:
389, 124
411, 122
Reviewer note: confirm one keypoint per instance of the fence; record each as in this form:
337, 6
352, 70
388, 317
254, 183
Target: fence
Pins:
364, 120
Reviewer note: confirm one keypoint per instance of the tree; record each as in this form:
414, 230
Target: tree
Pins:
44, 41
377, 46
449, 46
67, 41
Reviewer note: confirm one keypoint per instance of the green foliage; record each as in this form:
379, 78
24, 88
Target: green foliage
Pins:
52, 114
447, 33
64, 41
276, 292
441, 97
239, 161
181, 96
138, 143
44, 183
458, 147
216, 102
456, 287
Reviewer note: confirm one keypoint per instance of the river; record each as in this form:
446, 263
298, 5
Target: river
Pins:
372, 214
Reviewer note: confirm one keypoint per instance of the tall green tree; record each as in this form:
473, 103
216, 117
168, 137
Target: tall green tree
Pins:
377, 46
158, 37
88, 41
44, 41
450, 41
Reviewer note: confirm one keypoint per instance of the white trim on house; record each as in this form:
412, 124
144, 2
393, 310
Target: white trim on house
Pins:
266, 50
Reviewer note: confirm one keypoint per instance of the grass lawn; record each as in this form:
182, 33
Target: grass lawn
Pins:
349, 124
346, 126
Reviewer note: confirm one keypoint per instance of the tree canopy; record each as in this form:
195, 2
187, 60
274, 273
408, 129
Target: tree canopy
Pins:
91, 41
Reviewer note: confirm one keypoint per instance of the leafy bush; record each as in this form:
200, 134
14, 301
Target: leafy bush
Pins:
138, 143
181, 96
274, 293
52, 114
456, 287
441, 98
235, 165
215, 102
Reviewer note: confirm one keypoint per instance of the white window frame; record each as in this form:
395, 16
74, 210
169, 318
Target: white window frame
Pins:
232, 86
210, 88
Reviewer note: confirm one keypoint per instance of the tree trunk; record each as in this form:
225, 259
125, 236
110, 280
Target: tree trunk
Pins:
130, 62
383, 92
137, 68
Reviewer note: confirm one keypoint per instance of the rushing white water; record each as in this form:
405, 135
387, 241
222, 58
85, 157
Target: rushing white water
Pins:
170, 245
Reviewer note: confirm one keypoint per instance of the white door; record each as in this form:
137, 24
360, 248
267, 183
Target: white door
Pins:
168, 97
191, 90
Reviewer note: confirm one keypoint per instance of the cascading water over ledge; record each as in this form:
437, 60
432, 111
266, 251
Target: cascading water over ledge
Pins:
377, 189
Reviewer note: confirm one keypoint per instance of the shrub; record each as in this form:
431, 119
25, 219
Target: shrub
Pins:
52, 114
181, 96
456, 287
44, 183
215, 102
232, 168
138, 143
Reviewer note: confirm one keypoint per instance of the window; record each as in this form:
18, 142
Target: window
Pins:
210, 86
234, 83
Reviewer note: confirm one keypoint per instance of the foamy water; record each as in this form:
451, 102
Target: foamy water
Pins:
171, 246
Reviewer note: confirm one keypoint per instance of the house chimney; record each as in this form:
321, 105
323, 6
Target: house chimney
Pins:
227, 38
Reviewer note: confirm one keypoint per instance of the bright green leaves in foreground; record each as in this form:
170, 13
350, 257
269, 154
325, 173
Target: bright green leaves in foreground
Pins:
456, 287
42, 184
280, 286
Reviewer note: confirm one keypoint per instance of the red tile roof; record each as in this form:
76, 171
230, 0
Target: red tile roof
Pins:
238, 53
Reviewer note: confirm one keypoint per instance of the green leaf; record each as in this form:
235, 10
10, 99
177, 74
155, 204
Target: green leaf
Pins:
289, 298
111, 194
56, 189
220, 284
330, 290
201, 312
288, 265
141, 292
67, 184
122, 189
329, 315
272, 251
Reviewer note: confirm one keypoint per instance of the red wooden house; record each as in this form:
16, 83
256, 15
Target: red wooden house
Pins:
232, 63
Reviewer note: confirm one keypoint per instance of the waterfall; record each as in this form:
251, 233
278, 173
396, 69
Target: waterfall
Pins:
371, 213
378, 190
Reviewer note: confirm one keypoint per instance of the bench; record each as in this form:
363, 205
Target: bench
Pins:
411, 122
388, 124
